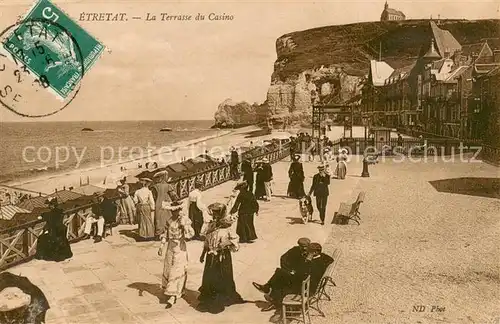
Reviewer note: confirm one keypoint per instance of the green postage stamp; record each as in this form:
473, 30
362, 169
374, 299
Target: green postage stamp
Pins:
53, 47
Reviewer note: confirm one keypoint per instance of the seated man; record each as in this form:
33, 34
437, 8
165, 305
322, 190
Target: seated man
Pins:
96, 217
291, 273
315, 266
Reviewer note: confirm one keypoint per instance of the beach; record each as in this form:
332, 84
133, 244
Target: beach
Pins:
106, 173
217, 144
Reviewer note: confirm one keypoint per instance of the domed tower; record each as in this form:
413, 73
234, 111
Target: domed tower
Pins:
432, 53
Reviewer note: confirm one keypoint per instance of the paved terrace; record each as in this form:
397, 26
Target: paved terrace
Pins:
415, 246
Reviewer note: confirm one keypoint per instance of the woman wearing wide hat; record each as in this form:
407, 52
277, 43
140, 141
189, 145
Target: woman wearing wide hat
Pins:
53, 245
177, 230
296, 175
218, 288
247, 170
247, 207
145, 206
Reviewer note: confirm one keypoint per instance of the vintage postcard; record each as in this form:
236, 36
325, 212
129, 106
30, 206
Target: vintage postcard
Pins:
249, 161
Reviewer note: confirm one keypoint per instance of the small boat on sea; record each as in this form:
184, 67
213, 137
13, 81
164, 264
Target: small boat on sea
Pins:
166, 129
86, 129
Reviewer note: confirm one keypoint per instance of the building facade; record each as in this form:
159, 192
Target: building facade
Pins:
437, 94
389, 14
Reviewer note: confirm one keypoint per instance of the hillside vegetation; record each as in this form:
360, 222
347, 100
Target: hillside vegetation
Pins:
352, 46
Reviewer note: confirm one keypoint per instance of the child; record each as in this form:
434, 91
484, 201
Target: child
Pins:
306, 209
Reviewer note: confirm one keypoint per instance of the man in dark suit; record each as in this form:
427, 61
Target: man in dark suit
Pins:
295, 256
319, 187
289, 276
315, 266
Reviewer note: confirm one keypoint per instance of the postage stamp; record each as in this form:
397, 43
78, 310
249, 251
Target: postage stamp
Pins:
53, 47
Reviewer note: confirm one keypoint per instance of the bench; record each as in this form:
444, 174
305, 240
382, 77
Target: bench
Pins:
326, 281
350, 211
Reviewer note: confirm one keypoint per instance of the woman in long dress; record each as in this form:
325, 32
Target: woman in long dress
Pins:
247, 170
197, 210
162, 192
145, 205
296, 175
177, 231
126, 204
246, 206
218, 289
53, 244
341, 169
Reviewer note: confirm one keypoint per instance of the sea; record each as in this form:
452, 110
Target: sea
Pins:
38, 148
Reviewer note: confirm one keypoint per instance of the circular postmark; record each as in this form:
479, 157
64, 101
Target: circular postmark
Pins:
41, 66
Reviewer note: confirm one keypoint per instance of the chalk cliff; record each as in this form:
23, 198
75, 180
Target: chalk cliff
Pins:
328, 64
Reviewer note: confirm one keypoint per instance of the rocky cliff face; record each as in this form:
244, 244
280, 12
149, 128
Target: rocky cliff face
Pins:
328, 64
233, 114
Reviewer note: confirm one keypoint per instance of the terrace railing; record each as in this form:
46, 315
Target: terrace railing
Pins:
435, 146
18, 244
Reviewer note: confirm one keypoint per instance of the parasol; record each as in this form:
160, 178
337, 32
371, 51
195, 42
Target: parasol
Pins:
38, 306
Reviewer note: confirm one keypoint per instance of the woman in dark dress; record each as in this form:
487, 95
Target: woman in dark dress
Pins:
247, 170
260, 187
53, 244
218, 289
296, 175
246, 206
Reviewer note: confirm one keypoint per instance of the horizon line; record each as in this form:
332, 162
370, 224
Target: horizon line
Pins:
114, 120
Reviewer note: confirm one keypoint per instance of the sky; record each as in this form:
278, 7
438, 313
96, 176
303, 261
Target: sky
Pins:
178, 70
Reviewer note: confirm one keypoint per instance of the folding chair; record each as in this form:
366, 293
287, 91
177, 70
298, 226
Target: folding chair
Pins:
296, 306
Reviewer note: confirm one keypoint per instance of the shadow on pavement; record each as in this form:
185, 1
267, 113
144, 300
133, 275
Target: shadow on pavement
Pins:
191, 297
132, 234
481, 187
295, 220
153, 289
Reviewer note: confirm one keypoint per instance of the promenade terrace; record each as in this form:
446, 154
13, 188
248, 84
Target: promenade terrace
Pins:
415, 246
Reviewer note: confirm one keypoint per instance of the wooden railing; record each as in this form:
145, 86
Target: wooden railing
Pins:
434, 146
18, 244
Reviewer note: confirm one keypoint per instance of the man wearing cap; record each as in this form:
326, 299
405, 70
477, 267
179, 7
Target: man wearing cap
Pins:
289, 277
293, 258
319, 187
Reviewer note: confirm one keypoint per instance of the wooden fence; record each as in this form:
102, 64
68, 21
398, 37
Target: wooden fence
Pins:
18, 244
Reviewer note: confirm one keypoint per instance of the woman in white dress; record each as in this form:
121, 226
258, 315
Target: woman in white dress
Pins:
177, 230
341, 169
